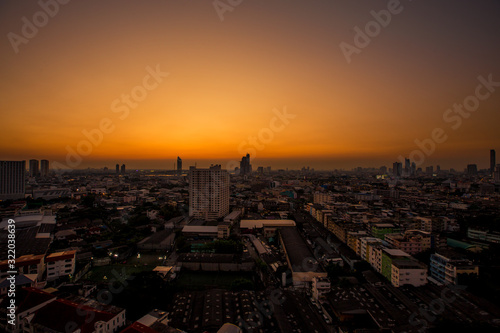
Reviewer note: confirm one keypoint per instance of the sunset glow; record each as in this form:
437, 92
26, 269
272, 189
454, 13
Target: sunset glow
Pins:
226, 78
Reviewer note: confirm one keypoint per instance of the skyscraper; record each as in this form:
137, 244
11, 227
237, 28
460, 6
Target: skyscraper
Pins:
407, 167
208, 192
492, 161
245, 166
118, 168
397, 169
179, 166
12, 184
123, 168
34, 168
44, 168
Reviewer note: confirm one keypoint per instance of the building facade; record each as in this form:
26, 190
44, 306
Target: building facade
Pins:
12, 179
208, 192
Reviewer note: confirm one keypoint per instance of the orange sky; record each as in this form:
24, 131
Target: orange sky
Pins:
225, 78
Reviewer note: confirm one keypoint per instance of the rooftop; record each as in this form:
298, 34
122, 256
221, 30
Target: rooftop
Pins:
297, 251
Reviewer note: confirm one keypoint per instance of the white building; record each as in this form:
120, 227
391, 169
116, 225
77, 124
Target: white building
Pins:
60, 264
364, 248
408, 272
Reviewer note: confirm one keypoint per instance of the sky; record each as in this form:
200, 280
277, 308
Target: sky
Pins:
294, 83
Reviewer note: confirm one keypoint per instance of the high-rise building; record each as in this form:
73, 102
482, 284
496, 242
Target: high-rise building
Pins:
44, 168
245, 166
397, 169
12, 183
34, 168
179, 165
472, 169
123, 168
407, 167
208, 192
429, 170
118, 168
492, 161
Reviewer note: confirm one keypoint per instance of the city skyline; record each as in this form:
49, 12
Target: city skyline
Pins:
230, 164
157, 89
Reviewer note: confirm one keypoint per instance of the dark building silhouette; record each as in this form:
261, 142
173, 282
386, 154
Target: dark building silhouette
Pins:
34, 168
179, 165
472, 169
44, 168
245, 166
12, 185
492, 161
123, 168
118, 168
397, 169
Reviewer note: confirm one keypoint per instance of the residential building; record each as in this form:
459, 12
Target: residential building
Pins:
26, 264
379, 230
446, 267
208, 192
44, 168
411, 242
408, 272
60, 264
484, 235
34, 168
12, 179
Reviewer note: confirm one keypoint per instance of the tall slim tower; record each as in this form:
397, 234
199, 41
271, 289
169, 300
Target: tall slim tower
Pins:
179, 166
492, 161
208, 192
117, 168
397, 169
44, 168
12, 184
123, 168
407, 167
34, 168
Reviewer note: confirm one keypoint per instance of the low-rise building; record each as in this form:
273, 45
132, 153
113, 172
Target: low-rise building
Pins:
411, 242
320, 286
27, 264
446, 267
484, 235
60, 264
408, 271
